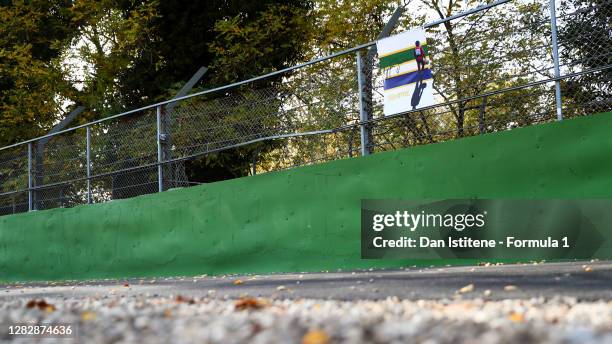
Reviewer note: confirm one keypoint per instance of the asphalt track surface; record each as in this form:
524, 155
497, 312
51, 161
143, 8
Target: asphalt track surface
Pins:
580, 280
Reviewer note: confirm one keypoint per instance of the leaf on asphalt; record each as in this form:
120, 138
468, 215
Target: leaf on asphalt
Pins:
315, 337
183, 299
127, 285
238, 282
467, 289
40, 304
247, 303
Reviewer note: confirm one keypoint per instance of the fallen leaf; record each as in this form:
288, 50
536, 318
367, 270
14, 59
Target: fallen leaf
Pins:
246, 303
127, 285
516, 317
588, 269
86, 316
182, 299
238, 282
40, 304
315, 337
256, 328
467, 289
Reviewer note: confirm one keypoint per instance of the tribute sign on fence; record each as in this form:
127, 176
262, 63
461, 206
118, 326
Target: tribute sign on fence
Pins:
408, 78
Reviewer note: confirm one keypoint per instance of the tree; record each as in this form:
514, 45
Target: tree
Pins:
492, 49
137, 52
110, 34
585, 42
31, 37
324, 95
264, 38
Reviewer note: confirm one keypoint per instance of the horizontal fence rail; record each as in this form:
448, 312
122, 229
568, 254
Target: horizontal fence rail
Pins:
500, 66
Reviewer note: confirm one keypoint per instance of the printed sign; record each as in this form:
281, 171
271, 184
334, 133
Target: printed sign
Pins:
404, 59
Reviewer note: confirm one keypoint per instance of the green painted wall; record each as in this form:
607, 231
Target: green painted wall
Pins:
306, 219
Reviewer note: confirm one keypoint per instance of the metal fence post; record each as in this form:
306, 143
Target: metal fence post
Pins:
30, 176
481, 114
555, 52
88, 152
363, 117
160, 182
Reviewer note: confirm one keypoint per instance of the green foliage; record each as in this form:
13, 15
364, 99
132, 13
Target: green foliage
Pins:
277, 37
341, 24
110, 35
494, 49
31, 33
137, 52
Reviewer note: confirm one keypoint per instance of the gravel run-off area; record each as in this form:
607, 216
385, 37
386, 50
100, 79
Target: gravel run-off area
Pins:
124, 318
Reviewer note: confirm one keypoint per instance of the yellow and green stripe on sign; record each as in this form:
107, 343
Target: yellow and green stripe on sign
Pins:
399, 56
